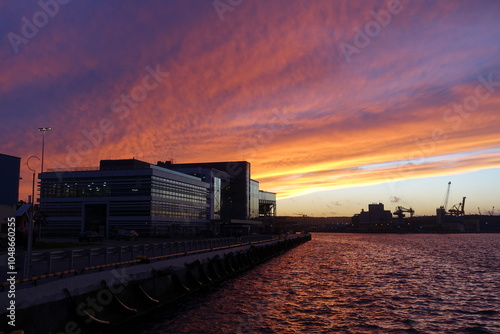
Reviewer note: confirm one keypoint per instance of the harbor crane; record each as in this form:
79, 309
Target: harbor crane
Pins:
458, 209
492, 212
401, 210
447, 196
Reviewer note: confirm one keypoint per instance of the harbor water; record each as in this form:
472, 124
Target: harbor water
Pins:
353, 283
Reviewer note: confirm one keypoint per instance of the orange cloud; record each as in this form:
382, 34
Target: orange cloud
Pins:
268, 84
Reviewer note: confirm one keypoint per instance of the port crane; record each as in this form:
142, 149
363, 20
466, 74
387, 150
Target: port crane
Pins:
458, 209
401, 210
447, 196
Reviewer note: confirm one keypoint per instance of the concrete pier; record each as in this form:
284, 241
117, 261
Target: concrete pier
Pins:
110, 297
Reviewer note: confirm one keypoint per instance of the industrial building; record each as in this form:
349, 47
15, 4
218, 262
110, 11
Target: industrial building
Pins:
165, 199
376, 218
375, 214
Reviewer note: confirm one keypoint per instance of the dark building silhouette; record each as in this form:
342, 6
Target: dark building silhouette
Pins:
376, 214
9, 188
9, 175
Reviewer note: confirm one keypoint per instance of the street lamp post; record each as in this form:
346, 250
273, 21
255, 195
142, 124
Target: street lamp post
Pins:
43, 142
30, 220
45, 129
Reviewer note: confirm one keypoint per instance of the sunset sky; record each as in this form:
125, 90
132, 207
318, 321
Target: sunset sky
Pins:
336, 104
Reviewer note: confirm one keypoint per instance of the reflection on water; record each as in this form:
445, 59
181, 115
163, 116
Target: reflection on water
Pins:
355, 283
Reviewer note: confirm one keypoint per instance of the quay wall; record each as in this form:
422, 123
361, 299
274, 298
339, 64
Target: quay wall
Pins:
99, 301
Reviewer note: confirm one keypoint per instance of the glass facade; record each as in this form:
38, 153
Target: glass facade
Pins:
178, 210
217, 198
254, 199
170, 189
147, 200
166, 199
95, 187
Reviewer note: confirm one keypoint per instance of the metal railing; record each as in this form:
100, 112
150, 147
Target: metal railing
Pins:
77, 259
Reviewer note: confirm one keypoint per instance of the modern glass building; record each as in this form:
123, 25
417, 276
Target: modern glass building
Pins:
235, 186
124, 194
218, 181
159, 200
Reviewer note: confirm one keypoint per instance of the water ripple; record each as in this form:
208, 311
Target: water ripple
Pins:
355, 283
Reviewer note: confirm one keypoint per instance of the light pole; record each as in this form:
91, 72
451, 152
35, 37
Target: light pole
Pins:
45, 129
30, 220
43, 142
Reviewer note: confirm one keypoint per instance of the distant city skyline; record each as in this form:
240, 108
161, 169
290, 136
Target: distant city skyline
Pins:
336, 105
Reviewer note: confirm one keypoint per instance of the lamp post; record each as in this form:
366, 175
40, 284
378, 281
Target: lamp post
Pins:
45, 129
30, 220
43, 142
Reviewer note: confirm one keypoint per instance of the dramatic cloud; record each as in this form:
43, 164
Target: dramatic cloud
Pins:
316, 95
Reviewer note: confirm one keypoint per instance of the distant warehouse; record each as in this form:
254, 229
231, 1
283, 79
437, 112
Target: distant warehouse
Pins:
166, 199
